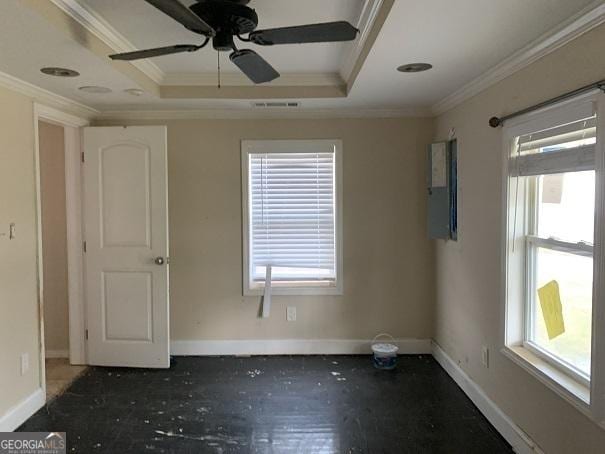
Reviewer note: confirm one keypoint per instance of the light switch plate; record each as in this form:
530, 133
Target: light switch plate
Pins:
291, 313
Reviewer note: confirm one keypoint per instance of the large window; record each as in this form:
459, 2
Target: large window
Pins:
292, 216
560, 235
552, 188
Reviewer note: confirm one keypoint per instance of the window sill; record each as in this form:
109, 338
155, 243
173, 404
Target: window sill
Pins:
569, 389
318, 290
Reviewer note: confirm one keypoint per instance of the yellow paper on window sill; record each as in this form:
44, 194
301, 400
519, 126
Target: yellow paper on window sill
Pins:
552, 309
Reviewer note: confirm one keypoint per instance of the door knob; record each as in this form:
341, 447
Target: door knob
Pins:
159, 260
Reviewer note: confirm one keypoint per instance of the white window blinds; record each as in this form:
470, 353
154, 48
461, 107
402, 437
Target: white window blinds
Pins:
559, 137
292, 216
564, 148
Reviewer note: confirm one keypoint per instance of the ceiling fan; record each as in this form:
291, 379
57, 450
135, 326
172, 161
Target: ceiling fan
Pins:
222, 20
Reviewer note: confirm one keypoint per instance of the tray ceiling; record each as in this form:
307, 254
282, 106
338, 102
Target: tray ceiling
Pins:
145, 27
464, 40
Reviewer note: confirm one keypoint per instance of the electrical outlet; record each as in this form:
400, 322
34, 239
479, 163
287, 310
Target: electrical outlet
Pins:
291, 313
24, 363
485, 356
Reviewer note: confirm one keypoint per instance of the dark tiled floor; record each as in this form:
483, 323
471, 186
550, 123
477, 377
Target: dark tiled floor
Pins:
318, 404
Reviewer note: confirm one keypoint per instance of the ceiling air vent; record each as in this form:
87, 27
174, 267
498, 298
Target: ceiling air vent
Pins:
276, 105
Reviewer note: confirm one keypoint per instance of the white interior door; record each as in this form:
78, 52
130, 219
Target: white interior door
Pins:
126, 234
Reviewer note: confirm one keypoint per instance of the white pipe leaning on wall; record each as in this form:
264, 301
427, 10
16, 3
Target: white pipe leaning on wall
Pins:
267, 295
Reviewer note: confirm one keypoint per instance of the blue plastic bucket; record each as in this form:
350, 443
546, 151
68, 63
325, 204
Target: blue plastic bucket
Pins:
385, 354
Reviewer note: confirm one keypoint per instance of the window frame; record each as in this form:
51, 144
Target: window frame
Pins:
532, 243
587, 396
292, 146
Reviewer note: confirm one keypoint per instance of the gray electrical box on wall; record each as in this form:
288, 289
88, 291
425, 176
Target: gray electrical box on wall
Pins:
442, 182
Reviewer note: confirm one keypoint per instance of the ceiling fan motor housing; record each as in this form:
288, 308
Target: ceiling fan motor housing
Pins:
228, 18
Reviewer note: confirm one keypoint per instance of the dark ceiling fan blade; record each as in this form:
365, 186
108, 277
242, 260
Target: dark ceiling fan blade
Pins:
183, 15
312, 33
148, 53
254, 66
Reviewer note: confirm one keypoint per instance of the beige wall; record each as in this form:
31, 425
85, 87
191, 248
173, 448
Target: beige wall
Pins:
469, 310
54, 236
387, 257
18, 268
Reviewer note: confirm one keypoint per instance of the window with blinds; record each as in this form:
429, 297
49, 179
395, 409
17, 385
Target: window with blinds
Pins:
552, 202
292, 213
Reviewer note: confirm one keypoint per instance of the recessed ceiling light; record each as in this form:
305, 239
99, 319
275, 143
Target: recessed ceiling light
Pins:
60, 72
94, 89
134, 91
414, 67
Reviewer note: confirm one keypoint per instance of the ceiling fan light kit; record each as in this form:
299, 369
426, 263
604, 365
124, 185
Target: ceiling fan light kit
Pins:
222, 20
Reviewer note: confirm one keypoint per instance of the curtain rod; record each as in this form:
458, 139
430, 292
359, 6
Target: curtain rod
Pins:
494, 122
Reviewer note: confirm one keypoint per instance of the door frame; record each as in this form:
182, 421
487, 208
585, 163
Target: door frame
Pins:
75, 261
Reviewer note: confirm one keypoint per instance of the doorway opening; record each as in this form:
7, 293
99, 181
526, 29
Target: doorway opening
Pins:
59, 372
62, 333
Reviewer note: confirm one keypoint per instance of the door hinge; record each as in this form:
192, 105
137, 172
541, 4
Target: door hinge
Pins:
82, 156
86, 334
84, 246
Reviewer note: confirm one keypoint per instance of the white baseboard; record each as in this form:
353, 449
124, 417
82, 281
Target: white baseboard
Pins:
519, 440
57, 353
290, 347
17, 415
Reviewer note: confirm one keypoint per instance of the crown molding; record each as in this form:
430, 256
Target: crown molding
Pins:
238, 79
99, 27
367, 18
235, 92
373, 18
258, 113
46, 97
51, 101
584, 21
